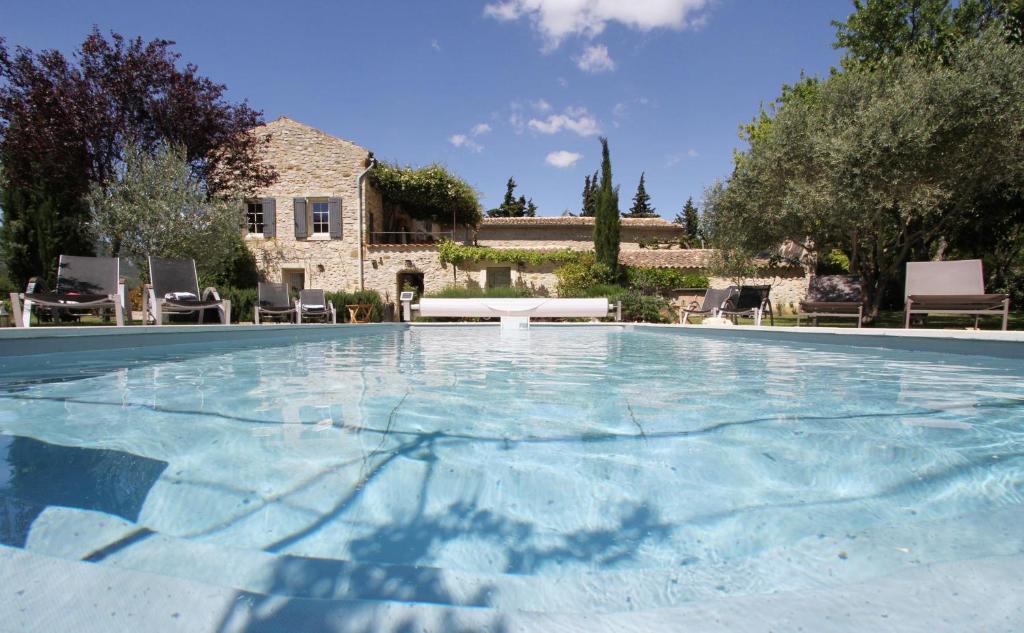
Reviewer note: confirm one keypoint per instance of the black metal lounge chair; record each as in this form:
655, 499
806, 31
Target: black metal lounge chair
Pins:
273, 301
951, 287
313, 304
833, 296
83, 283
751, 301
174, 289
714, 300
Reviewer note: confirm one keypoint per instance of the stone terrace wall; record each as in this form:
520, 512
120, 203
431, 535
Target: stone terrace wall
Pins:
571, 233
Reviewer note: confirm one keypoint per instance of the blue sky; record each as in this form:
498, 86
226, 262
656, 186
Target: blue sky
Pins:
495, 88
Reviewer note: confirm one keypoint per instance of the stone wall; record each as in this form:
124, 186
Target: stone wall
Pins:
789, 287
312, 164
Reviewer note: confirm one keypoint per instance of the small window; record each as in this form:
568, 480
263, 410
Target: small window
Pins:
254, 217
321, 217
499, 277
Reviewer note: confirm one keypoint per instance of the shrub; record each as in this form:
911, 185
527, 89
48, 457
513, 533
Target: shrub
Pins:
834, 262
662, 280
464, 292
242, 302
370, 297
451, 252
639, 307
574, 277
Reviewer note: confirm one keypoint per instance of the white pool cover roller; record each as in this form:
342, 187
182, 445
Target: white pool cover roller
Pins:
536, 307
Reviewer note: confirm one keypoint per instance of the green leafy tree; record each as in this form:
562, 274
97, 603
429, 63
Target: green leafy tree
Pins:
156, 206
689, 219
887, 163
641, 202
927, 29
606, 218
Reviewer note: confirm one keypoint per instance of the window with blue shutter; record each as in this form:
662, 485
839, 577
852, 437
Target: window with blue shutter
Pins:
334, 213
299, 211
269, 217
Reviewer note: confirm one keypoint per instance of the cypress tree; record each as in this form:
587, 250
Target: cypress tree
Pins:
585, 207
689, 219
512, 207
641, 202
606, 220
590, 189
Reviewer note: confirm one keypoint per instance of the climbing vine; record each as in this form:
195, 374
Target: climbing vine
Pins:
427, 193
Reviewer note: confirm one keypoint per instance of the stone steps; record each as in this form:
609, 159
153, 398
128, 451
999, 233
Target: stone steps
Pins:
809, 565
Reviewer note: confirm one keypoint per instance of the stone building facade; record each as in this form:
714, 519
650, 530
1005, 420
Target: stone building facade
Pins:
305, 230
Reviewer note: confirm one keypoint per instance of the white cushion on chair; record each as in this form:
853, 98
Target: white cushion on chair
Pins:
180, 296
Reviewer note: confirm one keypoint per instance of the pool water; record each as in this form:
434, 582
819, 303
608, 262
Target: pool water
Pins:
560, 470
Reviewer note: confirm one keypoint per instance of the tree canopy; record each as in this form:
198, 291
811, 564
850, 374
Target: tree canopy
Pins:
689, 219
888, 162
511, 207
156, 206
590, 190
641, 202
927, 29
64, 125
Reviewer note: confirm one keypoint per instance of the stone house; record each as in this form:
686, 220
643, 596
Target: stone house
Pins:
317, 227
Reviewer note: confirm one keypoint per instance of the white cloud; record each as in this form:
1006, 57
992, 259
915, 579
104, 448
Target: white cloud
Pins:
563, 82
541, 105
620, 110
461, 140
576, 120
435, 45
671, 160
562, 158
517, 122
480, 128
558, 19
595, 59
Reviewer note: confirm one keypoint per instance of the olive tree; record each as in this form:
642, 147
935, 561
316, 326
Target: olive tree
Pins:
888, 163
155, 205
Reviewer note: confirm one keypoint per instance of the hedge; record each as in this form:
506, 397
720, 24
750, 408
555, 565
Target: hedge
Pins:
663, 280
453, 253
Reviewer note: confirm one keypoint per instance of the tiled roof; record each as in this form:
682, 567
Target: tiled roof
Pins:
667, 258
576, 221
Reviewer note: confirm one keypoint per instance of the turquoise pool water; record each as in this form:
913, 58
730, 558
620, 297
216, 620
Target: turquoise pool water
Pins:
560, 470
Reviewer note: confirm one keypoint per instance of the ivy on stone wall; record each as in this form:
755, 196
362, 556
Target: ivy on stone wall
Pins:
427, 193
453, 253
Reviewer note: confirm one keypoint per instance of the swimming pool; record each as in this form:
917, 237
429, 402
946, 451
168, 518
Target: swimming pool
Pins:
463, 478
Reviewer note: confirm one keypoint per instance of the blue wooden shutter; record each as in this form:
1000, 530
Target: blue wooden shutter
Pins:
269, 217
299, 208
334, 217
